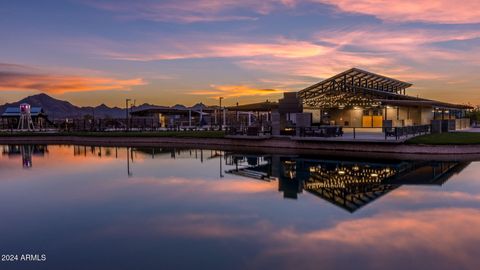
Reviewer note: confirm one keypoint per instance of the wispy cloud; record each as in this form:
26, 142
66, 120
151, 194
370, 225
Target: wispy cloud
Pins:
190, 11
432, 11
408, 233
217, 48
414, 43
325, 53
18, 77
402, 53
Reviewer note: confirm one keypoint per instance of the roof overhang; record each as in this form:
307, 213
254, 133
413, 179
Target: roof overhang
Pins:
255, 107
424, 103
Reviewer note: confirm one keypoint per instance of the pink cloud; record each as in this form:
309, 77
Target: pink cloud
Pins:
326, 53
442, 238
448, 234
18, 77
397, 53
433, 11
190, 11
321, 66
172, 50
416, 44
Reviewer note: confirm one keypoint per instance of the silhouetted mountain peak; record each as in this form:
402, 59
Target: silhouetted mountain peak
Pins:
57, 108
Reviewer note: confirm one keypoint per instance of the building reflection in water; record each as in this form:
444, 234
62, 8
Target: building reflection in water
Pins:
347, 184
26, 152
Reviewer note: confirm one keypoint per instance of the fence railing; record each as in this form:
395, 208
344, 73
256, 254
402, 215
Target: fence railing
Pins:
321, 131
399, 132
248, 131
363, 132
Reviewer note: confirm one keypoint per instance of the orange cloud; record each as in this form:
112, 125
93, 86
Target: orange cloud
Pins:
15, 77
434, 11
236, 91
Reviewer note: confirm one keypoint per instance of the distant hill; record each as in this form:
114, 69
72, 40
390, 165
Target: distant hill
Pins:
60, 109
56, 108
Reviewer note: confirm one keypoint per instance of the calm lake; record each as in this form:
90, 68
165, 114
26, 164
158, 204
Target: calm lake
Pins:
89, 207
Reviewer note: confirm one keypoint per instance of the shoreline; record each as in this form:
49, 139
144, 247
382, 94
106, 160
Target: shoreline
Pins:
271, 145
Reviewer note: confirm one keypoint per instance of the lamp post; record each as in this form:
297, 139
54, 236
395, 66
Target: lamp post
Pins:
92, 125
220, 99
132, 106
126, 113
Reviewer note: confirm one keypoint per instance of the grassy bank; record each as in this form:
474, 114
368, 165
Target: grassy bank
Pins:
452, 138
175, 134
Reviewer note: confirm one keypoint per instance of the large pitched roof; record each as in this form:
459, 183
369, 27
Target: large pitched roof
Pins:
359, 87
361, 79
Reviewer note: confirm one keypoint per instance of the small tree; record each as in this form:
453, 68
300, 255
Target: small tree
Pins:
474, 114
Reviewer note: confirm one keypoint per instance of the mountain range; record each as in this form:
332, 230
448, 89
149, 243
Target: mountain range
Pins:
58, 109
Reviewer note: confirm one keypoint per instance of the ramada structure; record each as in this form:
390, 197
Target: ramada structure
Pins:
358, 98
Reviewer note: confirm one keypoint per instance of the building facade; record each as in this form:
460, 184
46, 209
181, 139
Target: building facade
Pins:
358, 98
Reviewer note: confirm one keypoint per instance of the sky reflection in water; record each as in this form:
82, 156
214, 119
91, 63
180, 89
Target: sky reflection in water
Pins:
92, 208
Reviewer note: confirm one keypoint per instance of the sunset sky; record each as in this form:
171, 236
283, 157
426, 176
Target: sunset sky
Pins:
179, 51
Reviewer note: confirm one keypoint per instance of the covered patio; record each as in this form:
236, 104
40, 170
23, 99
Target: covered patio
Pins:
358, 98
251, 119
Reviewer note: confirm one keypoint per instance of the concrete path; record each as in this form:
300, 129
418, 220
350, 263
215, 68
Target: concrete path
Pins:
469, 130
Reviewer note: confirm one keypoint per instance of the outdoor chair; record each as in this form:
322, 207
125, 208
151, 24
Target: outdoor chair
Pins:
389, 131
308, 132
232, 131
319, 132
268, 131
339, 132
331, 131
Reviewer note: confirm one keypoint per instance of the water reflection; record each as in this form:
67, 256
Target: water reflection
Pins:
348, 184
170, 208
25, 151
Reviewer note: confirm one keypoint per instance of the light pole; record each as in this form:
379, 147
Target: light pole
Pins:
220, 99
131, 117
126, 113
